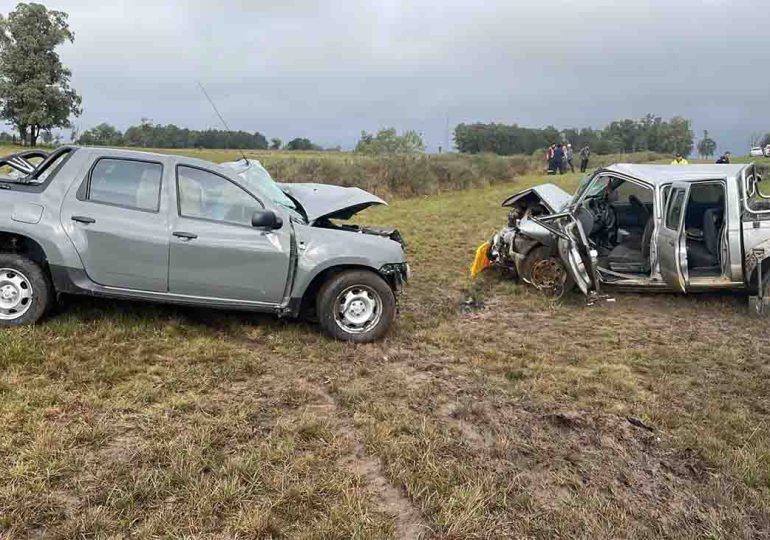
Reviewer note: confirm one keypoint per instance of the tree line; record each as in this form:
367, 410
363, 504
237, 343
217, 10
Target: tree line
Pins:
650, 133
149, 135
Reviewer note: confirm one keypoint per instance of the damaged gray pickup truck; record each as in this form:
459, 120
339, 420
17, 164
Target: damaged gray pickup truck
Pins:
164, 228
641, 227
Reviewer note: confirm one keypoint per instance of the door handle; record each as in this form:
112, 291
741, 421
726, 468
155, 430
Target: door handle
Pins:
185, 235
83, 219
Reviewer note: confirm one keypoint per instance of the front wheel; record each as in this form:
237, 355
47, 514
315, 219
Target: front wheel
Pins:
357, 306
547, 273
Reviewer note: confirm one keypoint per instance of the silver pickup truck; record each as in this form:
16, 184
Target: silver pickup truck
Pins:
136, 225
642, 227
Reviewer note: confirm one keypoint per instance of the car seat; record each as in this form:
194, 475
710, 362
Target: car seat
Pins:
706, 254
632, 255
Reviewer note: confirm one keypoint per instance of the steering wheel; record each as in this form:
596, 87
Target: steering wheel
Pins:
605, 218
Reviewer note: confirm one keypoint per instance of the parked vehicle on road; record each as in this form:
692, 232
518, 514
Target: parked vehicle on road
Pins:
142, 226
758, 151
643, 227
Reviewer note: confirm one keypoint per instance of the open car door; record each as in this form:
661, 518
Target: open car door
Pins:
672, 239
574, 249
577, 255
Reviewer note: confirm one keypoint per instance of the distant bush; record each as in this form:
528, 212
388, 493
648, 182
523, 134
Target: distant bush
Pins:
415, 175
301, 143
389, 142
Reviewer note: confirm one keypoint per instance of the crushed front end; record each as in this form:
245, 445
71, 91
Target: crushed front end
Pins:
526, 248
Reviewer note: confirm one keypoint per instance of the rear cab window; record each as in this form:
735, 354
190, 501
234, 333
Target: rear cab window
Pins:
127, 183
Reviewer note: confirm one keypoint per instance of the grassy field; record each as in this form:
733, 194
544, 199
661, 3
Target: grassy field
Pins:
488, 412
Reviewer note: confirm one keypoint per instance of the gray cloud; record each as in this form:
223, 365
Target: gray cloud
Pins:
327, 69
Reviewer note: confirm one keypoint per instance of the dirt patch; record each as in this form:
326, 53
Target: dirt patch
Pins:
390, 500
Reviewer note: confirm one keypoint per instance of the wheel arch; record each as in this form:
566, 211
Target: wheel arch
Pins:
11, 242
309, 294
753, 268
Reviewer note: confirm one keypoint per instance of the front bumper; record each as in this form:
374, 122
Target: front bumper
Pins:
397, 274
505, 248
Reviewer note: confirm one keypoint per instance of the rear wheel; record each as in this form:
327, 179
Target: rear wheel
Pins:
25, 291
356, 305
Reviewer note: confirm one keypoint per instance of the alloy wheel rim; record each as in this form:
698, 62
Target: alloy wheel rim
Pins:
15, 294
358, 309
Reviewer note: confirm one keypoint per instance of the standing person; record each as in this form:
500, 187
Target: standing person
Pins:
679, 159
724, 159
558, 157
585, 153
569, 155
549, 156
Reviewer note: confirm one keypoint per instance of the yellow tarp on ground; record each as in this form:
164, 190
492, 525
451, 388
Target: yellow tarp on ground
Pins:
481, 261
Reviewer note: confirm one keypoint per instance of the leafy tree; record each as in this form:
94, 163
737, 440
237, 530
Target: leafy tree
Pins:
101, 135
34, 85
139, 135
301, 143
707, 146
275, 143
765, 140
677, 137
388, 141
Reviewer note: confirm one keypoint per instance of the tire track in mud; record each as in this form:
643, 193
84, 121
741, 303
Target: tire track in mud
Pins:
408, 521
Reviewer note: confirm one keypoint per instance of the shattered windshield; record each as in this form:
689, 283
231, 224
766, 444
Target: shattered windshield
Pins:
584, 182
256, 178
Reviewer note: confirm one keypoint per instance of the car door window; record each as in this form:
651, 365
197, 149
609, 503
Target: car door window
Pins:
128, 183
674, 214
206, 195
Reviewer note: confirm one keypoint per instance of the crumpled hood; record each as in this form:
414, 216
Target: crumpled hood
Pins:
554, 197
327, 201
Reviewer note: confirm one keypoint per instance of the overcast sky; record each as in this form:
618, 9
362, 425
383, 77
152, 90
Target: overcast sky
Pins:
326, 69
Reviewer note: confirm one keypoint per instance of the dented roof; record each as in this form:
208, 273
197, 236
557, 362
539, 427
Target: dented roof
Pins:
660, 174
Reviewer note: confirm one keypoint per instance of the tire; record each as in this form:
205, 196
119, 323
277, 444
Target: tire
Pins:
371, 306
25, 291
542, 253
535, 254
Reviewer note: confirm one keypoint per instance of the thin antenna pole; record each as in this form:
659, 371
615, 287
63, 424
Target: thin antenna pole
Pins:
446, 132
224, 123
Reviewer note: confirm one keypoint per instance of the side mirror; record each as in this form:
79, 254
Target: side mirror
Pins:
266, 219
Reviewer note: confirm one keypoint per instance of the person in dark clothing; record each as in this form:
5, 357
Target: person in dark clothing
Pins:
724, 159
585, 153
549, 156
558, 158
